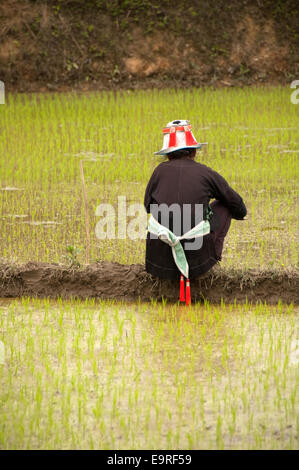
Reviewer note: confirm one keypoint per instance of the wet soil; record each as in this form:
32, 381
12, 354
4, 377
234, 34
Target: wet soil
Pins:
107, 280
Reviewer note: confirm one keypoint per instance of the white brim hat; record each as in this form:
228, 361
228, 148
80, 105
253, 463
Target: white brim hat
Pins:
178, 136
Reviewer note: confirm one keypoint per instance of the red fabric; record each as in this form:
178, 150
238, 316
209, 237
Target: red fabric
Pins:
172, 139
182, 289
189, 139
188, 293
168, 130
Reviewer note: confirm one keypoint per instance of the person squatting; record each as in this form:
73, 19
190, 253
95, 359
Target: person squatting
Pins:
185, 240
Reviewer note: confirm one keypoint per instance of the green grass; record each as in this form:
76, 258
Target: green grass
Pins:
253, 137
146, 376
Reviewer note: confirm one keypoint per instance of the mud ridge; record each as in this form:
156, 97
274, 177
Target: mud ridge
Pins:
107, 280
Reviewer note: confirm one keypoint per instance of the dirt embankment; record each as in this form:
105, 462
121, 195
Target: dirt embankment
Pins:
108, 280
100, 44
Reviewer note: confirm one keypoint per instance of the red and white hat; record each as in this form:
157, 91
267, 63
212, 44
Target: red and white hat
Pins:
177, 136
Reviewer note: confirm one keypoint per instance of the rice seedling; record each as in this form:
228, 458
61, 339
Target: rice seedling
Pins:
132, 376
253, 142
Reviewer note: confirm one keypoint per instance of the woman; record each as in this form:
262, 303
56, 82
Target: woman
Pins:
181, 180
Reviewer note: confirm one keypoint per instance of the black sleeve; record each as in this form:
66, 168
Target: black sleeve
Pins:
149, 190
224, 193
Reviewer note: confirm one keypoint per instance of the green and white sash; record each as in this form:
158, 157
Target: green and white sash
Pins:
167, 236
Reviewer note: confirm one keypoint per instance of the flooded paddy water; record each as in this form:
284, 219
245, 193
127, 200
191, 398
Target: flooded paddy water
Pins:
116, 375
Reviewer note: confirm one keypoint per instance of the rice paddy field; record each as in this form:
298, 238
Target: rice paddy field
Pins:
253, 141
148, 376
104, 374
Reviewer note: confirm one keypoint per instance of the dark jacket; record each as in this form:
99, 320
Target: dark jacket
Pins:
184, 181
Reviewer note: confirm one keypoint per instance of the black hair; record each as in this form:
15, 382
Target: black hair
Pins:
183, 153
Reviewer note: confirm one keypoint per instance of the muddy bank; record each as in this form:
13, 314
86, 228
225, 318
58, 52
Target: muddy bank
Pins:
115, 281
79, 45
